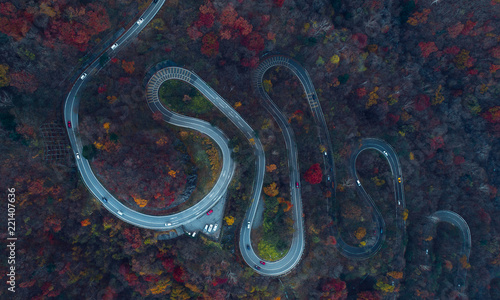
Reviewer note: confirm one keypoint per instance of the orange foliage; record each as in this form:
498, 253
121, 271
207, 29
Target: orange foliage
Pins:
162, 141
419, 17
128, 67
270, 168
271, 190
360, 233
396, 274
448, 265
464, 263
172, 173
141, 202
85, 222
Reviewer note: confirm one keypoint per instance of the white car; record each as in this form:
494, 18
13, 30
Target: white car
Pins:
139, 22
210, 228
359, 183
385, 153
328, 178
206, 227
427, 251
325, 153
248, 226
194, 233
120, 213
168, 224
114, 46
77, 155
215, 227
83, 76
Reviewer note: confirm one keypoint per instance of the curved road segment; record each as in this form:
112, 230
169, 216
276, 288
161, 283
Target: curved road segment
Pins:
456, 221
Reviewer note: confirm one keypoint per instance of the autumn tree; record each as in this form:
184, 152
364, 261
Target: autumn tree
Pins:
210, 45
314, 175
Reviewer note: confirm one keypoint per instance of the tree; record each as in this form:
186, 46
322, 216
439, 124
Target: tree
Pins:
210, 45
271, 190
24, 81
128, 67
314, 175
4, 77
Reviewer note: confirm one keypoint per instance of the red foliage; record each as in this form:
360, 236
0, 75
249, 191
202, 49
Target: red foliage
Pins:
437, 143
115, 60
495, 52
458, 160
422, 102
101, 89
331, 240
334, 289
24, 81
484, 216
15, 23
243, 26
250, 62
254, 42
228, 16
360, 40
129, 276
468, 27
133, 237
206, 20
392, 119
124, 80
168, 264
427, 48
453, 50
210, 45
314, 174
361, 92
179, 274
492, 115
279, 3
194, 33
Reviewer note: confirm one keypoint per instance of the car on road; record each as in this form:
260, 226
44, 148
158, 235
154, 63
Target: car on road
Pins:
120, 213
399, 179
114, 46
325, 153
168, 224
248, 247
83, 76
215, 227
209, 212
104, 200
427, 251
77, 155
297, 185
328, 178
385, 153
139, 22
257, 267
262, 262
206, 227
381, 230
194, 233
210, 228
248, 226
359, 183
69, 124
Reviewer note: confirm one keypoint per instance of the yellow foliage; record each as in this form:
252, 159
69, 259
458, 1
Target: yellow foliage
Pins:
396, 274
237, 104
378, 181
111, 99
229, 220
46, 9
405, 214
405, 116
392, 99
252, 141
372, 99
271, 190
267, 85
335, 59
384, 287
162, 141
106, 126
141, 202
428, 239
99, 146
172, 173
270, 168
360, 233
362, 244
412, 156
4, 77
192, 287
438, 98
160, 287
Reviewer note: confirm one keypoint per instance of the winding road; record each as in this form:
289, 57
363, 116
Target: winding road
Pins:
294, 255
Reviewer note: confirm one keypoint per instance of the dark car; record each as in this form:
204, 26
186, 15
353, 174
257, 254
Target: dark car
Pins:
209, 212
104, 200
262, 262
248, 247
297, 185
69, 124
257, 267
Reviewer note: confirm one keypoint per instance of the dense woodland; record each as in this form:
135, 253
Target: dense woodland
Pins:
422, 75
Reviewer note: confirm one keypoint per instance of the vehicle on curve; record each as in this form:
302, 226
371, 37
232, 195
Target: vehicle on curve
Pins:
262, 262
325, 153
215, 227
399, 179
114, 46
297, 185
139, 22
104, 200
385, 153
194, 233
328, 178
69, 124
248, 247
83, 76
120, 213
77, 155
206, 227
168, 224
427, 251
209, 212
210, 228
359, 183
248, 226
257, 267
381, 230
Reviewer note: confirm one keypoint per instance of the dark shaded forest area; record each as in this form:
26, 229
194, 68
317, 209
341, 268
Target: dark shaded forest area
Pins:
422, 75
